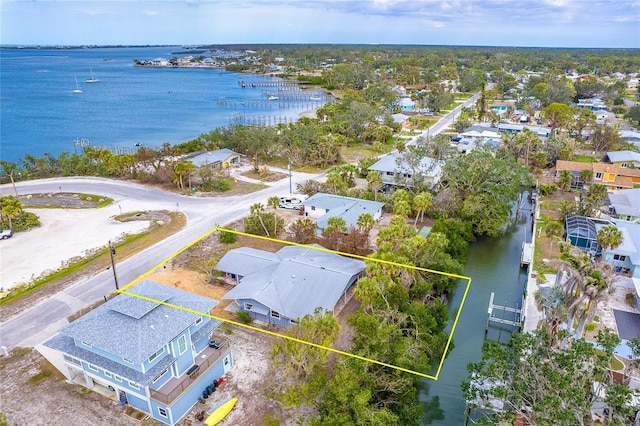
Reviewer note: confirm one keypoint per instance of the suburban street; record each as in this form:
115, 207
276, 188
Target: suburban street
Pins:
43, 319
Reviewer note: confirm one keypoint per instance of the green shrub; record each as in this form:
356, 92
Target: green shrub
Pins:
244, 317
590, 327
228, 237
270, 420
630, 299
547, 189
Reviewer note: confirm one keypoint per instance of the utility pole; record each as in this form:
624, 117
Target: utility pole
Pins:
290, 187
112, 251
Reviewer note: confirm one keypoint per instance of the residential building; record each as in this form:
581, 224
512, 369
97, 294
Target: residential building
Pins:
325, 206
612, 176
398, 171
216, 158
625, 204
626, 257
155, 357
594, 104
280, 288
625, 159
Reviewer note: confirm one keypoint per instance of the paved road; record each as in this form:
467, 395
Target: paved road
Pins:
202, 213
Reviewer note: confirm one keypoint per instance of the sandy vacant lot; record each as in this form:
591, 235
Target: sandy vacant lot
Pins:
65, 234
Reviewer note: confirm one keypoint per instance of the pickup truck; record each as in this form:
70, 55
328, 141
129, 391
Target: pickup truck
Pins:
5, 233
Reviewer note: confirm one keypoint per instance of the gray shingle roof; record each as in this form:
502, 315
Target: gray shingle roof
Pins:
345, 207
305, 280
132, 328
67, 345
619, 156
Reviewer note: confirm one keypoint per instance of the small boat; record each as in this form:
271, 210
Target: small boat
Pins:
220, 411
314, 98
272, 98
77, 89
92, 79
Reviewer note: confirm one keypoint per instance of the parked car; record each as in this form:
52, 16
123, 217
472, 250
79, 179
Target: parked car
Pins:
5, 233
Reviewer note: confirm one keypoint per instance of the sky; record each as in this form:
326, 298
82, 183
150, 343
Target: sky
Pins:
546, 23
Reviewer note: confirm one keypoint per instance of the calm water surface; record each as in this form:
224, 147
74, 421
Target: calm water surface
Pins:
40, 113
494, 266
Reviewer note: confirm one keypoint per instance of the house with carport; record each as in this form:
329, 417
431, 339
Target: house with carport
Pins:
282, 287
153, 347
217, 158
324, 206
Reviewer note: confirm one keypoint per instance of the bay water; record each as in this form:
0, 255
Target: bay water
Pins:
40, 113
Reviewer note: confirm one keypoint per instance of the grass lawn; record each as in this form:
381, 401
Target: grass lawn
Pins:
585, 159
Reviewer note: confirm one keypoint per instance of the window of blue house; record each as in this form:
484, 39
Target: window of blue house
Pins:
199, 320
118, 378
134, 385
182, 344
107, 373
275, 314
87, 345
619, 257
157, 354
162, 411
92, 367
128, 361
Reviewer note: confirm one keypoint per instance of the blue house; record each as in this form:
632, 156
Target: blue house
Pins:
626, 257
280, 288
156, 358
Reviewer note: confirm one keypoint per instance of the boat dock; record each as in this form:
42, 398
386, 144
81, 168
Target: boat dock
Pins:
527, 254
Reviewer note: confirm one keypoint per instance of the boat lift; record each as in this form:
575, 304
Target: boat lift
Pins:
515, 314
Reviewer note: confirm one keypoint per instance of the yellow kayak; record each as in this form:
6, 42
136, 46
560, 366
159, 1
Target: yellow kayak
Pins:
220, 411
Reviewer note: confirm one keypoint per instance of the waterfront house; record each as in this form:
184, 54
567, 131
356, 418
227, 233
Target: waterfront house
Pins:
217, 158
325, 206
626, 257
582, 232
594, 104
279, 288
154, 357
397, 171
625, 204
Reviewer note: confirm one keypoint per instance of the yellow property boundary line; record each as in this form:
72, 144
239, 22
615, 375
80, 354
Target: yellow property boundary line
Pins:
337, 351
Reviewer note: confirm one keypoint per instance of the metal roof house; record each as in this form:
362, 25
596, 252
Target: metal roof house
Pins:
396, 171
216, 158
625, 204
154, 357
301, 280
325, 206
626, 257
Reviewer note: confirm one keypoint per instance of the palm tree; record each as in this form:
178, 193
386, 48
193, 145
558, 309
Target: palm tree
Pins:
609, 237
10, 208
366, 222
552, 303
374, 183
256, 210
274, 202
421, 203
586, 176
564, 182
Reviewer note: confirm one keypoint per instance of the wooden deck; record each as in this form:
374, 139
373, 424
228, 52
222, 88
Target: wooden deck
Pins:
176, 386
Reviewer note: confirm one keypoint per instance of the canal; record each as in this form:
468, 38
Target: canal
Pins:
494, 266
